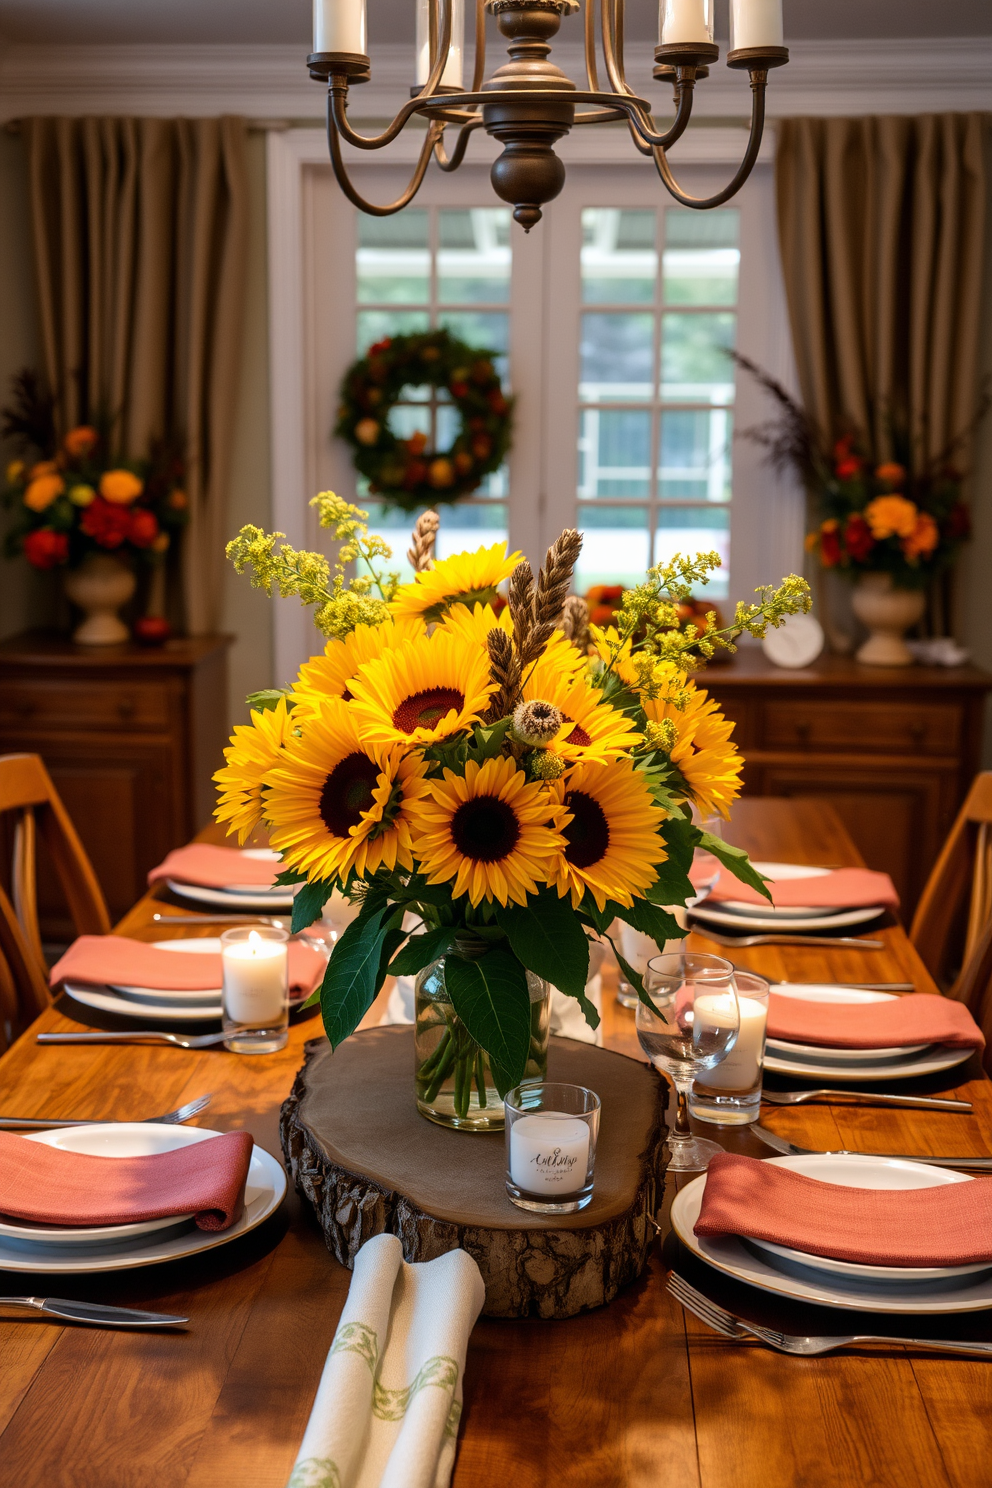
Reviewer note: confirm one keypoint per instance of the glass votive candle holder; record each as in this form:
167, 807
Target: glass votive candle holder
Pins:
730, 1093
551, 1133
255, 998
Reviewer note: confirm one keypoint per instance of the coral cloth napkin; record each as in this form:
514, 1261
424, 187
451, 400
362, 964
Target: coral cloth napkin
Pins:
846, 888
388, 1402
946, 1226
121, 962
920, 1018
211, 867
49, 1186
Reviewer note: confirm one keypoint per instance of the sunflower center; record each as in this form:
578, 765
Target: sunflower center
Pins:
425, 709
588, 833
347, 793
578, 735
485, 829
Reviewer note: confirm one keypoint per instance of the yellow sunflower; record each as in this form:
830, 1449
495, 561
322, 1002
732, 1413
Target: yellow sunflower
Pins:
422, 690
611, 827
703, 752
593, 730
490, 830
255, 748
637, 670
329, 675
336, 802
473, 623
464, 578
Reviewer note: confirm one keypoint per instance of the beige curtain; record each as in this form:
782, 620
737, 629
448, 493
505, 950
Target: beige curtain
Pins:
140, 234
881, 224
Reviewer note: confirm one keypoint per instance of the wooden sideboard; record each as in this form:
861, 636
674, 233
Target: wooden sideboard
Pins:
893, 749
131, 736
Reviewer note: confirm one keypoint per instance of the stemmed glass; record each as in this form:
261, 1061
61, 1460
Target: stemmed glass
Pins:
691, 1025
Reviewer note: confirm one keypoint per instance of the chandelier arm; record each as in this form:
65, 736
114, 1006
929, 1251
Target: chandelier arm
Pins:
759, 79
480, 45
338, 95
592, 71
434, 132
452, 162
643, 123
613, 60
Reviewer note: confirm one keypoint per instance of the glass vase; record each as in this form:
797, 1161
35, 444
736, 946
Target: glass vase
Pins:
454, 1083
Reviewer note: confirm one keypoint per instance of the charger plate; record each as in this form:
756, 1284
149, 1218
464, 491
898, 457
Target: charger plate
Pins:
734, 1258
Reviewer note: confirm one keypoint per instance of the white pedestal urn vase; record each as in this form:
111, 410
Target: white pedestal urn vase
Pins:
888, 612
99, 586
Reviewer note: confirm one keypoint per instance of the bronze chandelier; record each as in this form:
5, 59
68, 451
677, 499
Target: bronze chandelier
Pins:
529, 103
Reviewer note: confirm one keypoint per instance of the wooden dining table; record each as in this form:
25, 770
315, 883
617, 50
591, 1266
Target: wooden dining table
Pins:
635, 1393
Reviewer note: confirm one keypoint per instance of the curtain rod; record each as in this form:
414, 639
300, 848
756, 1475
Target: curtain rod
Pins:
255, 126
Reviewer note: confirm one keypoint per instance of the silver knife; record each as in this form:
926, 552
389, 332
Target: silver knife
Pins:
97, 1314
792, 1149
858, 986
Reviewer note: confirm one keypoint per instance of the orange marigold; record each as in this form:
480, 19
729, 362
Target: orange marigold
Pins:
923, 539
42, 492
890, 516
120, 487
79, 441
891, 473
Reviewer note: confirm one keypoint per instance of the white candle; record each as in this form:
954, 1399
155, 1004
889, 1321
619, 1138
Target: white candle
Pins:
549, 1153
452, 75
740, 1069
256, 981
339, 26
685, 20
756, 23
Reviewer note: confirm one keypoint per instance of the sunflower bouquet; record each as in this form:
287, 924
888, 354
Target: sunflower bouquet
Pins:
491, 790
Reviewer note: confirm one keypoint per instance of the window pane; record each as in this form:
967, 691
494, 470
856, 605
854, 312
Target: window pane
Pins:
694, 362
473, 259
373, 325
614, 453
405, 420
619, 261
696, 530
617, 355
616, 547
490, 330
393, 259
695, 455
701, 257
463, 526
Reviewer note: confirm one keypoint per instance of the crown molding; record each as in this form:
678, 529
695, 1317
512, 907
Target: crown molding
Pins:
908, 75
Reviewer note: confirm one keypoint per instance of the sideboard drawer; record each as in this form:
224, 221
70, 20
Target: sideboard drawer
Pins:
875, 727
64, 703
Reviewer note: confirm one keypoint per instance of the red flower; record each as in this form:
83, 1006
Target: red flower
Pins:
378, 346
45, 548
144, 527
107, 524
958, 524
496, 402
831, 551
858, 539
848, 468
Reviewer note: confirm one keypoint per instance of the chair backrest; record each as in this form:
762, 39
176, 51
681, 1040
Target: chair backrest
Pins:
29, 797
956, 905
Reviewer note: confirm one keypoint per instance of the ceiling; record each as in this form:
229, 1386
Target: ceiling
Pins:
102, 21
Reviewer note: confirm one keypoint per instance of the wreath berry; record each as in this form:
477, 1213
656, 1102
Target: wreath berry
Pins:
404, 472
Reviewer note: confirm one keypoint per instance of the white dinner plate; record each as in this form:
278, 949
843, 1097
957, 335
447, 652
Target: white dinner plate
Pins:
263, 1194
730, 1255
934, 1060
260, 899
706, 914
106, 1001
208, 945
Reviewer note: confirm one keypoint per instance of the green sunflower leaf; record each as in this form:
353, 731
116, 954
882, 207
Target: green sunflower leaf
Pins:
547, 938
394, 937
633, 977
350, 981
650, 920
309, 902
491, 998
737, 860
681, 839
420, 951
289, 876
672, 886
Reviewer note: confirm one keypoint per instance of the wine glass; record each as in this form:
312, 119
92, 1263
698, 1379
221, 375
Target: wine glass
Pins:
691, 1025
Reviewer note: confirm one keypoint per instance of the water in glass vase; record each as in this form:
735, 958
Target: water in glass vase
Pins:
455, 1085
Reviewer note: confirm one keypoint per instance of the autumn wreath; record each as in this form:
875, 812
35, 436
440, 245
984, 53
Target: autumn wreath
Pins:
404, 472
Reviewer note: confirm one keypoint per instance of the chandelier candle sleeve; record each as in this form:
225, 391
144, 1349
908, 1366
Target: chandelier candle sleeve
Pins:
339, 26
686, 21
756, 23
452, 77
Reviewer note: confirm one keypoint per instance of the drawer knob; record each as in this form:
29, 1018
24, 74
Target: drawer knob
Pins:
126, 707
802, 730
917, 732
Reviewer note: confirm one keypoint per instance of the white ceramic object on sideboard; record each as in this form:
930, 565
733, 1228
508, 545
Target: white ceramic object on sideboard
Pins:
99, 586
888, 613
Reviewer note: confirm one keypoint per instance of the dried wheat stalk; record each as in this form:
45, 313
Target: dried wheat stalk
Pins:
521, 601
575, 622
504, 668
421, 554
553, 583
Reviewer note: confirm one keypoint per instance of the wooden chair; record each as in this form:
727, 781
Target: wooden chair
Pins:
956, 906
28, 795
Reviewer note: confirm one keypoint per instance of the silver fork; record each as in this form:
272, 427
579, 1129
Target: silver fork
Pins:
841, 942
864, 1098
101, 1036
803, 1344
171, 1118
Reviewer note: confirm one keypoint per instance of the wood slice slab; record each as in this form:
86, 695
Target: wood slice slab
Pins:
369, 1162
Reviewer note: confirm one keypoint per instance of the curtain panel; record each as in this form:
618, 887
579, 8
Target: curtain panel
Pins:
881, 229
140, 230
